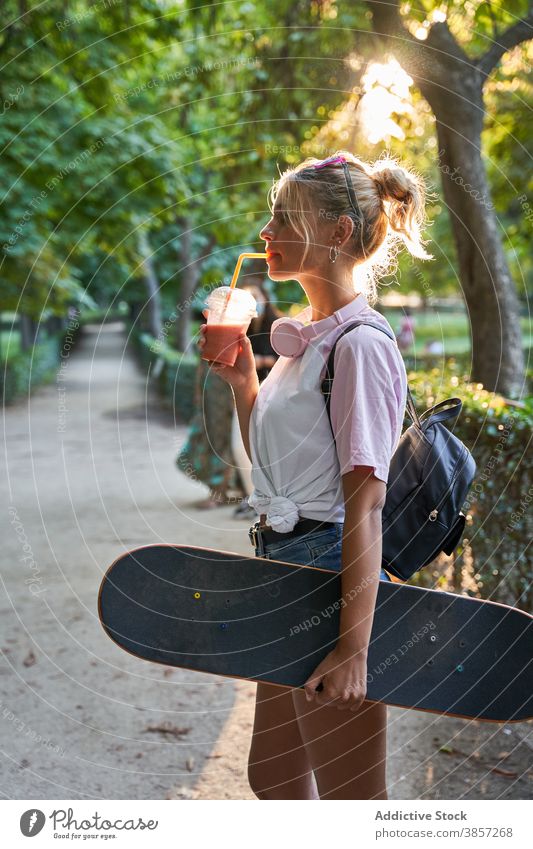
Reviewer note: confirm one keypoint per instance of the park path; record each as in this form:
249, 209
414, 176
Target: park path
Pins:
89, 473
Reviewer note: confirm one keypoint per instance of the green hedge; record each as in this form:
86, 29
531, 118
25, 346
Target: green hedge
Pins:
463, 362
174, 372
103, 315
493, 560
23, 371
27, 369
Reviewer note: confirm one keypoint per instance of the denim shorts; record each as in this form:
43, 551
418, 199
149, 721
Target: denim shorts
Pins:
320, 548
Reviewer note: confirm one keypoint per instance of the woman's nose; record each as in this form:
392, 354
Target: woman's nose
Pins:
266, 233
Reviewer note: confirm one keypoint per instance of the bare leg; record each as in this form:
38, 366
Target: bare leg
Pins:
346, 750
278, 767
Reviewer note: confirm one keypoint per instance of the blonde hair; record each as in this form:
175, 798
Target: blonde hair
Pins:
390, 196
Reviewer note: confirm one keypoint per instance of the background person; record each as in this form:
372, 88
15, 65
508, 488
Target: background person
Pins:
207, 455
406, 335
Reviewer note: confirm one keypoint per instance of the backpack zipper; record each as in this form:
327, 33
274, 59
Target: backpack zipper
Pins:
435, 512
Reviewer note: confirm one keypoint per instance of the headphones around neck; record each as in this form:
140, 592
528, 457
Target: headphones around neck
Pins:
290, 337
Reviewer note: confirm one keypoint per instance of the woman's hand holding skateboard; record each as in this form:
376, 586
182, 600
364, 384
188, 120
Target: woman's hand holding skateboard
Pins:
342, 678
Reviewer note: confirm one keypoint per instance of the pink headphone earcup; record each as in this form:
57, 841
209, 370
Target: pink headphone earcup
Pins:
286, 337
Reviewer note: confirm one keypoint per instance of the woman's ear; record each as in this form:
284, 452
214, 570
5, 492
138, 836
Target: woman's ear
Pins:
344, 228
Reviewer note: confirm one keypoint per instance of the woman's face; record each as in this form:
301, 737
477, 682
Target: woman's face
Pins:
285, 248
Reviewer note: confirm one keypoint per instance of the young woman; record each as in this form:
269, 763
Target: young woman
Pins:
320, 488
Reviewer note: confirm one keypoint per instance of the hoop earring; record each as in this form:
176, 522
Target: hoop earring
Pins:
336, 251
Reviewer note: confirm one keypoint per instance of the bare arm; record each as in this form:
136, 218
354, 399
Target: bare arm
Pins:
364, 497
343, 671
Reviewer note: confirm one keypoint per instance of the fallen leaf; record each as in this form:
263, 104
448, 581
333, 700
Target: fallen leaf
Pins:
30, 659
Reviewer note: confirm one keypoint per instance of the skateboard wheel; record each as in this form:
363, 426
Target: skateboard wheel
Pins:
433, 638
459, 667
223, 626
197, 595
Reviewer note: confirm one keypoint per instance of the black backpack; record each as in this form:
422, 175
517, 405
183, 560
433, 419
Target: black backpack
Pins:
430, 474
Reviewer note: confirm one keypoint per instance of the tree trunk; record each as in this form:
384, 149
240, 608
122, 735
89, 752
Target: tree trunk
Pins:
135, 310
190, 268
452, 83
489, 291
56, 323
28, 332
155, 321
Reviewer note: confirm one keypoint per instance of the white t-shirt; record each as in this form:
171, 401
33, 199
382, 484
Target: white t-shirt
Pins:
297, 465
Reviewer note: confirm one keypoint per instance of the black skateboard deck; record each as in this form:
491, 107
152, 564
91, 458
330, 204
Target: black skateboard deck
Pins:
266, 620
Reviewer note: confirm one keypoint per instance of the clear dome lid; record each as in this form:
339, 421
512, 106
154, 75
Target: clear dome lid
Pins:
239, 303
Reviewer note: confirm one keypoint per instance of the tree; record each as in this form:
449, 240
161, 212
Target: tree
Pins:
153, 294
453, 84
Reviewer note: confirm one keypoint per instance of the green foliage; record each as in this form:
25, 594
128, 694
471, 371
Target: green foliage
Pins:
160, 115
494, 563
79, 170
25, 370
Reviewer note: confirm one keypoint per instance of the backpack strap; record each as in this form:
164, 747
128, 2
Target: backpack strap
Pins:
440, 412
327, 382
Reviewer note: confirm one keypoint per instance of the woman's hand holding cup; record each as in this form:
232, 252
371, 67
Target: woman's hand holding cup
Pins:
242, 375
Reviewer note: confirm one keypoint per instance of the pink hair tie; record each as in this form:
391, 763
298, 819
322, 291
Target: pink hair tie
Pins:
331, 161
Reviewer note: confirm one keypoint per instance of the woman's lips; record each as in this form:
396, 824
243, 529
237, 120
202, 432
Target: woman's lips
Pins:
270, 254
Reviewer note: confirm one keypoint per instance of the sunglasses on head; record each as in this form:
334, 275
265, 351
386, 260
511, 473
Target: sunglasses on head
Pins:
334, 160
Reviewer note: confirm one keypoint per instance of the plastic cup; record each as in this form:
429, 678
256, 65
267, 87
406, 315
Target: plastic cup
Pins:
229, 312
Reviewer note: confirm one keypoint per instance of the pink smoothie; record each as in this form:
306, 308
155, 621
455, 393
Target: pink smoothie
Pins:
222, 342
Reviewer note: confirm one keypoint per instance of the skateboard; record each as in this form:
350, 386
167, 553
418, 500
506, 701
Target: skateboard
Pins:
266, 620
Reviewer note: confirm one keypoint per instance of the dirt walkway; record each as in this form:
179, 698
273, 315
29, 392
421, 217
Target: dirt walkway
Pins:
90, 472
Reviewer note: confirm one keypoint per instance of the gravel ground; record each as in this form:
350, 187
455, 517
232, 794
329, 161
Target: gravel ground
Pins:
89, 473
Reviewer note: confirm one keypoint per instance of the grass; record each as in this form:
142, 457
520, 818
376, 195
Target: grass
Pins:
450, 328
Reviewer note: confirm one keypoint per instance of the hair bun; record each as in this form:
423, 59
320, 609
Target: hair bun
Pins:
405, 194
380, 187
395, 184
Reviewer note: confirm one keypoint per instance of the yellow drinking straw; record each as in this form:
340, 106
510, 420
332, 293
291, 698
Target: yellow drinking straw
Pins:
238, 268
239, 263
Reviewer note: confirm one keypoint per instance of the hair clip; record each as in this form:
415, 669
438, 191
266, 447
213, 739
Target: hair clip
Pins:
331, 161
